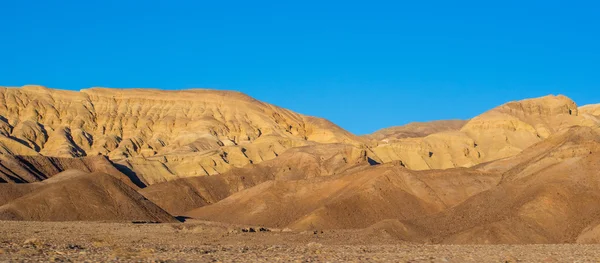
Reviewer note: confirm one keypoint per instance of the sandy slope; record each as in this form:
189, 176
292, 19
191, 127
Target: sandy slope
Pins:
416, 130
82, 196
158, 136
356, 199
305, 162
523, 172
548, 194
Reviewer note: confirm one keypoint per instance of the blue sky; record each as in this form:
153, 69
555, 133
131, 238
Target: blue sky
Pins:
365, 65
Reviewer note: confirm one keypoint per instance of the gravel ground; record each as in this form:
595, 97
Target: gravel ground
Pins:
213, 242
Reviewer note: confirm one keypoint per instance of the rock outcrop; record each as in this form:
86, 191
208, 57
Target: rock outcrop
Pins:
156, 136
174, 134
523, 172
499, 133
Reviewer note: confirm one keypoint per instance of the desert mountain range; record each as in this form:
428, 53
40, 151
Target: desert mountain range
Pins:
524, 172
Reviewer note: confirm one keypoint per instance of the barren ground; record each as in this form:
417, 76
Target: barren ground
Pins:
196, 241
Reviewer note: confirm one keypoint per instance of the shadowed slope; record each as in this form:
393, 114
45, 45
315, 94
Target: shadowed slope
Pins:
9, 192
355, 199
547, 194
29, 169
83, 196
155, 136
550, 196
181, 195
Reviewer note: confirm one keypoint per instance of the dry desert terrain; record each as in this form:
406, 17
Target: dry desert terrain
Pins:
150, 175
213, 242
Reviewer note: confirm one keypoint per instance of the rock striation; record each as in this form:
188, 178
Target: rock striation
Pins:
174, 134
523, 172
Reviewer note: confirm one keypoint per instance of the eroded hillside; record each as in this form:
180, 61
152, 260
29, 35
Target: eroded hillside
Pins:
523, 172
171, 133
156, 136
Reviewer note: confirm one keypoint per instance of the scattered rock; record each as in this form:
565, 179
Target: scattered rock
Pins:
32, 242
74, 247
248, 230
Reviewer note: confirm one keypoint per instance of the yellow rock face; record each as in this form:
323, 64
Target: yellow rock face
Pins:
530, 176
161, 136
593, 109
169, 134
416, 130
501, 132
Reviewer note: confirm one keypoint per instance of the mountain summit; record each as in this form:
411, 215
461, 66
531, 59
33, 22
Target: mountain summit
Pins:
523, 172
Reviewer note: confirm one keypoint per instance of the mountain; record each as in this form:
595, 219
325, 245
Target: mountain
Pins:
155, 136
298, 163
498, 133
593, 109
416, 130
546, 194
354, 199
549, 196
35, 168
523, 172
174, 134
76, 196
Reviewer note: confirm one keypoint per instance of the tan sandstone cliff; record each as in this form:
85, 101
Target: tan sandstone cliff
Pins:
160, 136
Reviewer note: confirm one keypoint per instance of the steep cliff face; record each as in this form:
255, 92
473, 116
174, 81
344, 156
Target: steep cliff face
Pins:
143, 122
156, 136
525, 171
203, 131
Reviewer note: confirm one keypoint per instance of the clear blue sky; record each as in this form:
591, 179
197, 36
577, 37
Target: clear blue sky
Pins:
365, 65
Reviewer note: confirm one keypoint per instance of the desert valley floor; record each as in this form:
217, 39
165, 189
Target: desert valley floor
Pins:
110, 174
214, 242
